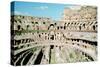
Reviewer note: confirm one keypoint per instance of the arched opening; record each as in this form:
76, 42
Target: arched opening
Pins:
93, 27
79, 27
57, 27
27, 27
52, 46
84, 25
36, 22
64, 27
51, 26
55, 23
52, 37
19, 27
39, 35
43, 22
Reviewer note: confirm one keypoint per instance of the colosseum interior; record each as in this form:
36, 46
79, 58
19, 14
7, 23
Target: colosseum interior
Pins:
41, 40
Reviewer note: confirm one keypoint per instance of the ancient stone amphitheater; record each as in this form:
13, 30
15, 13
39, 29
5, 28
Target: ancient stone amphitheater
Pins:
41, 40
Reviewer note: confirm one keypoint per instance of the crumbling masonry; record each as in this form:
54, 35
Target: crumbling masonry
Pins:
41, 40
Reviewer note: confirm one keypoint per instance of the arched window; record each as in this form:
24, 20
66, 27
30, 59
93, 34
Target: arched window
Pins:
52, 37
64, 27
55, 23
79, 27
96, 22
39, 35
58, 27
32, 22
51, 26
23, 17
83, 25
93, 27
19, 27
27, 26
36, 22
61, 27
19, 21
43, 22
75, 23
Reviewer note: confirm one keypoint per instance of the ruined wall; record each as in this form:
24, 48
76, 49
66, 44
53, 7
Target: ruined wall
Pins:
41, 40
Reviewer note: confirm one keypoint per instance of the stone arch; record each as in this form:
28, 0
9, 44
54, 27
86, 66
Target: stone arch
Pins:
51, 25
79, 27
93, 27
